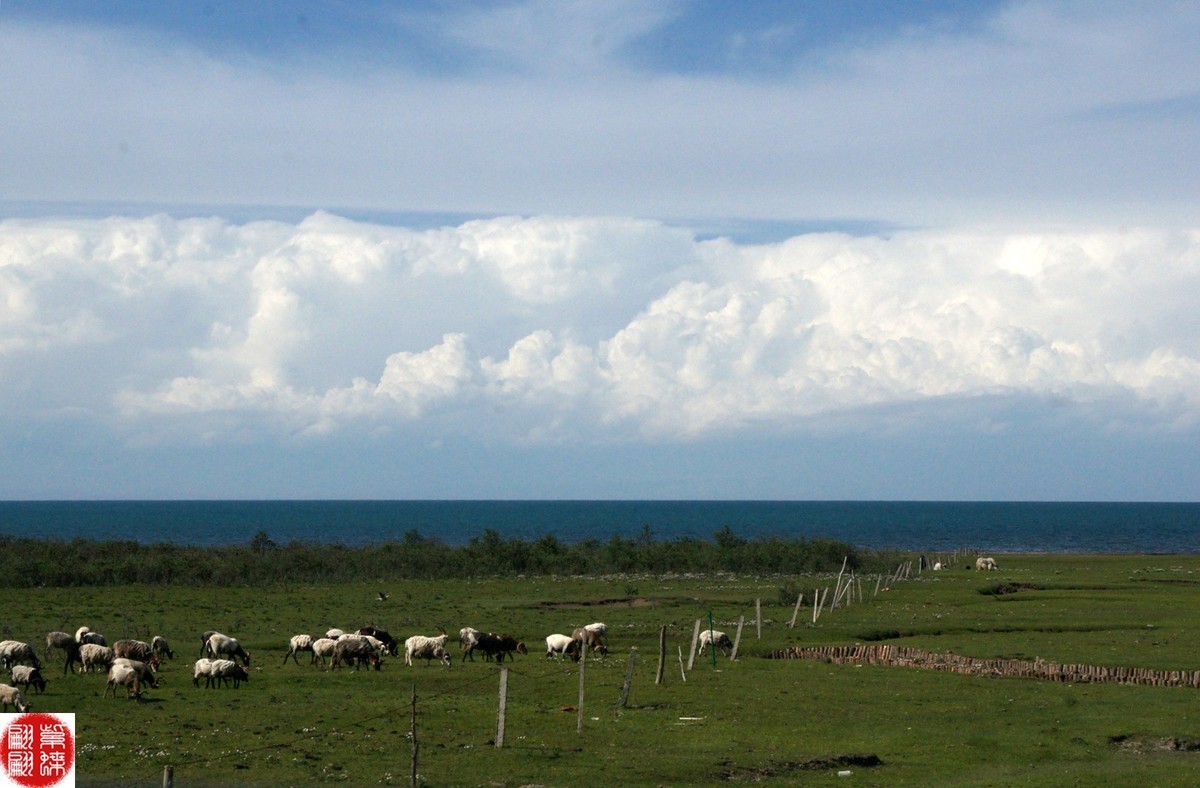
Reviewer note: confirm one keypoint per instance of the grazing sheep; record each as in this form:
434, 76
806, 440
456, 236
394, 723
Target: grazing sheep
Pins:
558, 645
60, 640
496, 646
297, 644
222, 671
14, 652
160, 648
202, 669
138, 650
390, 645
204, 640
84, 635
23, 675
334, 634
980, 563
218, 646
92, 656
425, 648
601, 630
717, 638
356, 650
11, 696
467, 638
323, 649
591, 638
130, 674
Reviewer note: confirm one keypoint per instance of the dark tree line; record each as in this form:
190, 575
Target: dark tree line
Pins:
262, 561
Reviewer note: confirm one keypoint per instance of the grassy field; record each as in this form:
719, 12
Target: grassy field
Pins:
750, 720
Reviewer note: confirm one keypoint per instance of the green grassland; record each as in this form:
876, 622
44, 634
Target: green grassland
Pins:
753, 719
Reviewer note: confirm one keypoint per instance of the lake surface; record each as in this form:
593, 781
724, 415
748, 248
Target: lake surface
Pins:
999, 527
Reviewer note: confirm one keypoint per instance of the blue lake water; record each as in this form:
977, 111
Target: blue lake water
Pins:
993, 526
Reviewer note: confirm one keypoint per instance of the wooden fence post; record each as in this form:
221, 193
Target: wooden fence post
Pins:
737, 640
758, 617
503, 705
413, 732
168, 777
628, 679
796, 611
583, 650
682, 672
695, 637
662, 655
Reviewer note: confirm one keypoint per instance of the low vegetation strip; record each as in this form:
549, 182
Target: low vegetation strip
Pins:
32, 563
1011, 668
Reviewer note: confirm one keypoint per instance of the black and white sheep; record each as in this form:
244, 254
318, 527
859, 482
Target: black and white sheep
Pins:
223, 671
59, 640
25, 676
160, 648
138, 650
130, 674
467, 638
84, 635
390, 645
717, 638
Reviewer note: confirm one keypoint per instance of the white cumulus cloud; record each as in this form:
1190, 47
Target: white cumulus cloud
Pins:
580, 329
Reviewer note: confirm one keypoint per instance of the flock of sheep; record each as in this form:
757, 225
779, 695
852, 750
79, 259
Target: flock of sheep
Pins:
133, 664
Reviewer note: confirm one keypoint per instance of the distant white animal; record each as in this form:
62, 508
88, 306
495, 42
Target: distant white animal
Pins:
937, 566
717, 638
25, 676
323, 649
985, 563
220, 646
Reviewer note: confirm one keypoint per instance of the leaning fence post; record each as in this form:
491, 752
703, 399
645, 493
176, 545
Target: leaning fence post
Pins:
628, 678
695, 637
503, 704
795, 611
737, 639
682, 672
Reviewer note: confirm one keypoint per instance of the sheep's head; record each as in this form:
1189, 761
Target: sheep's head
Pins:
246, 658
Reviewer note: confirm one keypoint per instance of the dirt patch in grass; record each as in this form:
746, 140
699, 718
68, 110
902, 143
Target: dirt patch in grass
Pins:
1003, 589
1147, 744
770, 771
622, 602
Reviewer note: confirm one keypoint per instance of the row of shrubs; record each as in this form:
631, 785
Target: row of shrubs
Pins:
262, 561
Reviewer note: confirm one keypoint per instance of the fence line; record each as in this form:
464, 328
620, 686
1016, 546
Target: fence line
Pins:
1074, 673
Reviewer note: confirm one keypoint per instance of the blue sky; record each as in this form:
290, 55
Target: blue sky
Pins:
532, 249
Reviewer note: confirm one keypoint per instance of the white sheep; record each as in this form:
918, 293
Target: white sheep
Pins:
323, 648
11, 696
130, 674
297, 644
23, 675
716, 637
557, 645
92, 656
202, 669
334, 634
426, 648
14, 652
219, 646
980, 563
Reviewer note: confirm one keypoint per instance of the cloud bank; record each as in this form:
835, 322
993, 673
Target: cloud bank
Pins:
582, 331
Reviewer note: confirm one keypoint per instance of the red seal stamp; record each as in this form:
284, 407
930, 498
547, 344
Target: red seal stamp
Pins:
39, 750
